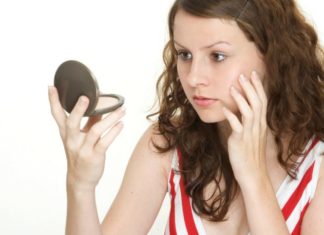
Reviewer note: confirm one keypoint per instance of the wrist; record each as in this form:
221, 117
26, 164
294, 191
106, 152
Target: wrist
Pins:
74, 187
256, 184
78, 195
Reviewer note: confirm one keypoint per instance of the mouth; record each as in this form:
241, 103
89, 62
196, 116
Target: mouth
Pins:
203, 101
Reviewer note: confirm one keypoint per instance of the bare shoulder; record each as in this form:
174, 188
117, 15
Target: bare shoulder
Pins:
147, 148
314, 216
321, 170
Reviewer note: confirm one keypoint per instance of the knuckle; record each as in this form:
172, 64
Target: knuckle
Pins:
248, 115
94, 132
70, 123
101, 147
258, 105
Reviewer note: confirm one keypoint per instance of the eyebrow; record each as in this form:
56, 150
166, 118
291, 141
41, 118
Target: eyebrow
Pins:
209, 46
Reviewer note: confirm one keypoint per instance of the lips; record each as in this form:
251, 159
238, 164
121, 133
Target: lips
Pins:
203, 101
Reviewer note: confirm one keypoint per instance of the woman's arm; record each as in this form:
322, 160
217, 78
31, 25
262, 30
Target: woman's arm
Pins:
82, 216
85, 152
247, 151
137, 202
142, 191
144, 185
262, 209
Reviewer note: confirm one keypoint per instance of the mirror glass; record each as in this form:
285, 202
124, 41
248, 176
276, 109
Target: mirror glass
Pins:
106, 102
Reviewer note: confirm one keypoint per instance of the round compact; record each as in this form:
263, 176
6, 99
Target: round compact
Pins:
73, 79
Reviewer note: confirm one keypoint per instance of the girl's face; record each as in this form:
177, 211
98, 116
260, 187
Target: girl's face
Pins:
212, 53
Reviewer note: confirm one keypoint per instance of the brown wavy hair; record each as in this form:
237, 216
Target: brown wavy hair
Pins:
294, 61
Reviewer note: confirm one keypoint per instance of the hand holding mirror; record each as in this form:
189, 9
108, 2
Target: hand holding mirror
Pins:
73, 79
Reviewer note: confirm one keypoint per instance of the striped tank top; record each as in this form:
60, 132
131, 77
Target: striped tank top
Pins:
293, 195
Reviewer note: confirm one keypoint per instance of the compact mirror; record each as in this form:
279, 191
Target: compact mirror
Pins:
73, 79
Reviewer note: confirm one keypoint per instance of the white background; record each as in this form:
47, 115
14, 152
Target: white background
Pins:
122, 43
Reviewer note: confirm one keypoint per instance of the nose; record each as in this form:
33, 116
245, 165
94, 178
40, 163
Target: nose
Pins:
198, 74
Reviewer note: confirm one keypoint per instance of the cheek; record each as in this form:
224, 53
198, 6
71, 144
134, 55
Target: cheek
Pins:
183, 69
228, 76
232, 74
231, 78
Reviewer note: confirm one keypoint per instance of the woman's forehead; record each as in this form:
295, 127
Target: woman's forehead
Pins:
189, 28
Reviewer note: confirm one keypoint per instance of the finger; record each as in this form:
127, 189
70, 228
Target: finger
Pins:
109, 137
244, 108
56, 109
256, 81
251, 94
233, 121
74, 120
263, 97
255, 103
103, 126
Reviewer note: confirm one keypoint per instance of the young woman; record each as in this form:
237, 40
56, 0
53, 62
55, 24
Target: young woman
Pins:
239, 139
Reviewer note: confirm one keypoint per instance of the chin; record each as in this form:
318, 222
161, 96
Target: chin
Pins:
209, 117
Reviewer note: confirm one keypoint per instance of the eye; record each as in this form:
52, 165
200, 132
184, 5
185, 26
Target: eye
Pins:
184, 55
218, 57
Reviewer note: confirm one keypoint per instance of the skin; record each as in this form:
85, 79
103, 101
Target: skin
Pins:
213, 68
211, 60
237, 105
221, 73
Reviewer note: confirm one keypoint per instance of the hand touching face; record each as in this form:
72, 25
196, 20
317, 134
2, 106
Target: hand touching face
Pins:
212, 53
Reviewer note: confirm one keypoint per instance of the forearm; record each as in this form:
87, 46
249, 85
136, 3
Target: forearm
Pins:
82, 216
263, 212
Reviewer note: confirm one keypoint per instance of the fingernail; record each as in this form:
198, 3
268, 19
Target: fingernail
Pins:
242, 78
233, 89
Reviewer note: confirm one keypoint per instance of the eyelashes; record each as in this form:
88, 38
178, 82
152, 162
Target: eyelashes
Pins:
219, 57
184, 55
187, 56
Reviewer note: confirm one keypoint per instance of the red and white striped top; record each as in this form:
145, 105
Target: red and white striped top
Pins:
294, 196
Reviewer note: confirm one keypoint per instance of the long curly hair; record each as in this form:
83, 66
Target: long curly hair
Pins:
294, 61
